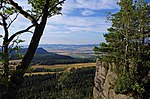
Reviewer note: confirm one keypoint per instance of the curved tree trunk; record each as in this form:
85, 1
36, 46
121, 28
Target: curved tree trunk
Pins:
17, 77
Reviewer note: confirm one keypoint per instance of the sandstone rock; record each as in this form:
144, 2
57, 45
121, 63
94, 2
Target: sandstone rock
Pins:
104, 83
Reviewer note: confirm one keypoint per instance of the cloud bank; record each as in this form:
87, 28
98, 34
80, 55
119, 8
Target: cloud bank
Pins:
82, 21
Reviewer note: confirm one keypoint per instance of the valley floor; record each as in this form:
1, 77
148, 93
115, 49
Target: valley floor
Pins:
51, 69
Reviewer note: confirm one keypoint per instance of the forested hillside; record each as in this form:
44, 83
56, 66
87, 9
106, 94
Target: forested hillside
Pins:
76, 84
52, 58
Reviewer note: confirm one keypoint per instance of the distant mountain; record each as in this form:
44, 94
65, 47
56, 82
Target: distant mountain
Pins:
42, 55
38, 51
62, 48
41, 51
76, 51
66, 47
50, 57
24, 50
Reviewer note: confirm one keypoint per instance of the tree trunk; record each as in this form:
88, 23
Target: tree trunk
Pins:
5, 58
17, 77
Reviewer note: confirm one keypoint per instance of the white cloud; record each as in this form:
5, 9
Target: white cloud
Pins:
51, 27
78, 24
77, 21
85, 29
87, 13
69, 5
67, 26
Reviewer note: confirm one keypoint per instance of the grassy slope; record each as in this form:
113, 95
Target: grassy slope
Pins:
65, 67
77, 65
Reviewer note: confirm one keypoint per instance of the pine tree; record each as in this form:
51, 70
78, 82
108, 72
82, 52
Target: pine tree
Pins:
128, 46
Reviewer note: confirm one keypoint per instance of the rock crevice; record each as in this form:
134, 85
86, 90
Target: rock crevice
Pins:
104, 83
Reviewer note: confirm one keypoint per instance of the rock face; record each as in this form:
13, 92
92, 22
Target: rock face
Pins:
104, 83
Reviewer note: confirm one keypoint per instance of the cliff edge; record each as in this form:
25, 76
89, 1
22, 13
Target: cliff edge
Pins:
104, 83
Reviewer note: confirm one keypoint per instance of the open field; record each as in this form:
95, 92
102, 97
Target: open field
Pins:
39, 73
62, 67
54, 68
77, 65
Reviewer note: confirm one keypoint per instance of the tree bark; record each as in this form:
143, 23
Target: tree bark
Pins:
17, 77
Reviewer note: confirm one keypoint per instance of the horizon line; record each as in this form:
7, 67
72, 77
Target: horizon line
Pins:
62, 44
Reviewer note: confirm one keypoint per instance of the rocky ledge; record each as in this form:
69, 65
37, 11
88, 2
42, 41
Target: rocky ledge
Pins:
104, 83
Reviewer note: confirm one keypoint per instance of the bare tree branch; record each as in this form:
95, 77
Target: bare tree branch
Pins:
13, 43
20, 32
30, 32
13, 20
23, 12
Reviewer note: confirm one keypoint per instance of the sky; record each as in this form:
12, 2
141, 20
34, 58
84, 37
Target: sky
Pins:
81, 22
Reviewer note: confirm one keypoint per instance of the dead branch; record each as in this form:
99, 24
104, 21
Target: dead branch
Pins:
20, 32
13, 20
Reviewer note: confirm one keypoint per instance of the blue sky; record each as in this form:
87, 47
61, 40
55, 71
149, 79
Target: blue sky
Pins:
82, 22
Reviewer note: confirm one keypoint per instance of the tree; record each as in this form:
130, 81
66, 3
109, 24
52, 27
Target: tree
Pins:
40, 11
128, 46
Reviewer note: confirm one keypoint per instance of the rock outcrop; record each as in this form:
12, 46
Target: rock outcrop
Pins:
104, 83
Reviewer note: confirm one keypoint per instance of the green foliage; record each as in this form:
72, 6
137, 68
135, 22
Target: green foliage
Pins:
76, 84
45, 70
7, 10
3, 85
38, 5
128, 46
127, 82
